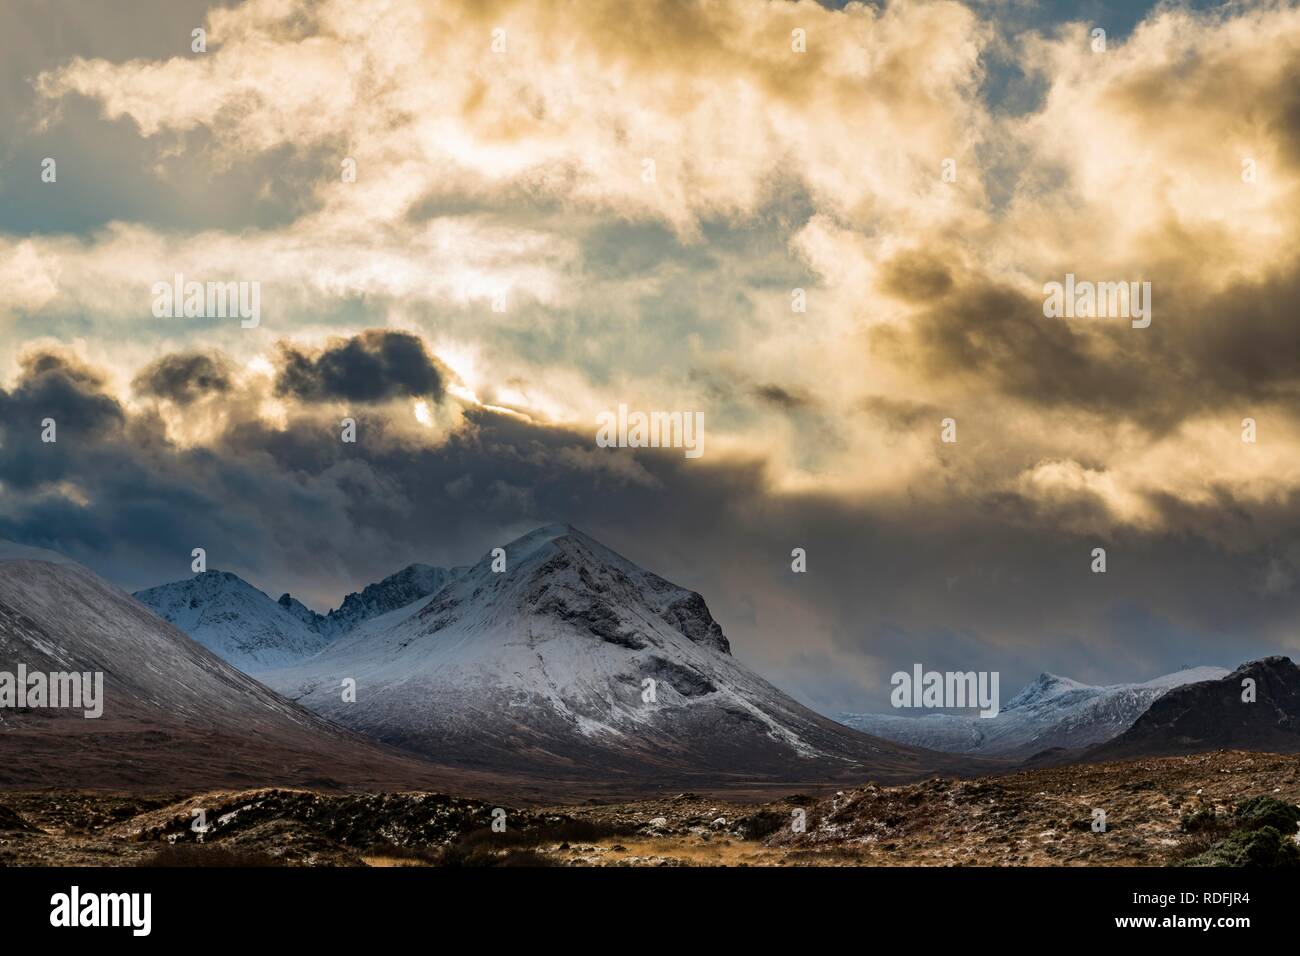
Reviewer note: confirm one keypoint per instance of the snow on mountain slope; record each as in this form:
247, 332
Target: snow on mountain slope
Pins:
392, 593
243, 626
299, 610
1050, 712
576, 661
235, 620
174, 714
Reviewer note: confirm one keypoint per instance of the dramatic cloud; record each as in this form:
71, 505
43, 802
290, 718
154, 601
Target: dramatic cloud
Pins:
477, 226
370, 367
58, 386
184, 376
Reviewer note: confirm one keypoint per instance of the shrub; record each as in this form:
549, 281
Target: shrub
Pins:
1261, 811
1200, 820
190, 854
1265, 846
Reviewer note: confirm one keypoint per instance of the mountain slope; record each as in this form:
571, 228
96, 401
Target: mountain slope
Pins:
1211, 715
543, 668
393, 592
174, 715
235, 620
244, 627
1051, 712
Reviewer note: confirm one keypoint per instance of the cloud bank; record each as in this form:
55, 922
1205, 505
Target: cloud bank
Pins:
477, 226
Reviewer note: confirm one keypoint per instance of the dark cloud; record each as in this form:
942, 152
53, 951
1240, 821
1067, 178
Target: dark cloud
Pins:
917, 276
1201, 353
53, 385
993, 584
1244, 343
976, 579
373, 366
781, 397
998, 337
184, 377
57, 385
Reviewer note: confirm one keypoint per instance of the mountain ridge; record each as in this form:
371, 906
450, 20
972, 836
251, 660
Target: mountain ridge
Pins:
573, 659
1050, 713
244, 626
1212, 715
234, 620
174, 714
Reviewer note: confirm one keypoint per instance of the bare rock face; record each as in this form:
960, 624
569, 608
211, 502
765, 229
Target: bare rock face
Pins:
575, 661
1211, 715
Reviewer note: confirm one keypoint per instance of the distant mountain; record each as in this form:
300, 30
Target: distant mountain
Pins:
1211, 715
173, 714
300, 611
236, 621
393, 592
1051, 712
244, 627
575, 662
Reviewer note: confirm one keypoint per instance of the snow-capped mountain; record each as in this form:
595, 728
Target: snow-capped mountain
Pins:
1256, 707
392, 593
574, 661
1051, 712
173, 714
236, 621
299, 610
244, 627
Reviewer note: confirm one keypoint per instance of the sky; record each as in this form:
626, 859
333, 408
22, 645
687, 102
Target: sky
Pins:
559, 208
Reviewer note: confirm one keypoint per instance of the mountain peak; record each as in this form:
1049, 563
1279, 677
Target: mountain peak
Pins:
1051, 712
1044, 687
556, 529
1277, 663
299, 610
539, 538
1048, 679
246, 627
571, 659
413, 582
1218, 715
175, 716
566, 576
235, 620
215, 574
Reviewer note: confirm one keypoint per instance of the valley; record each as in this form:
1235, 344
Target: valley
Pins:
1208, 809
594, 712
